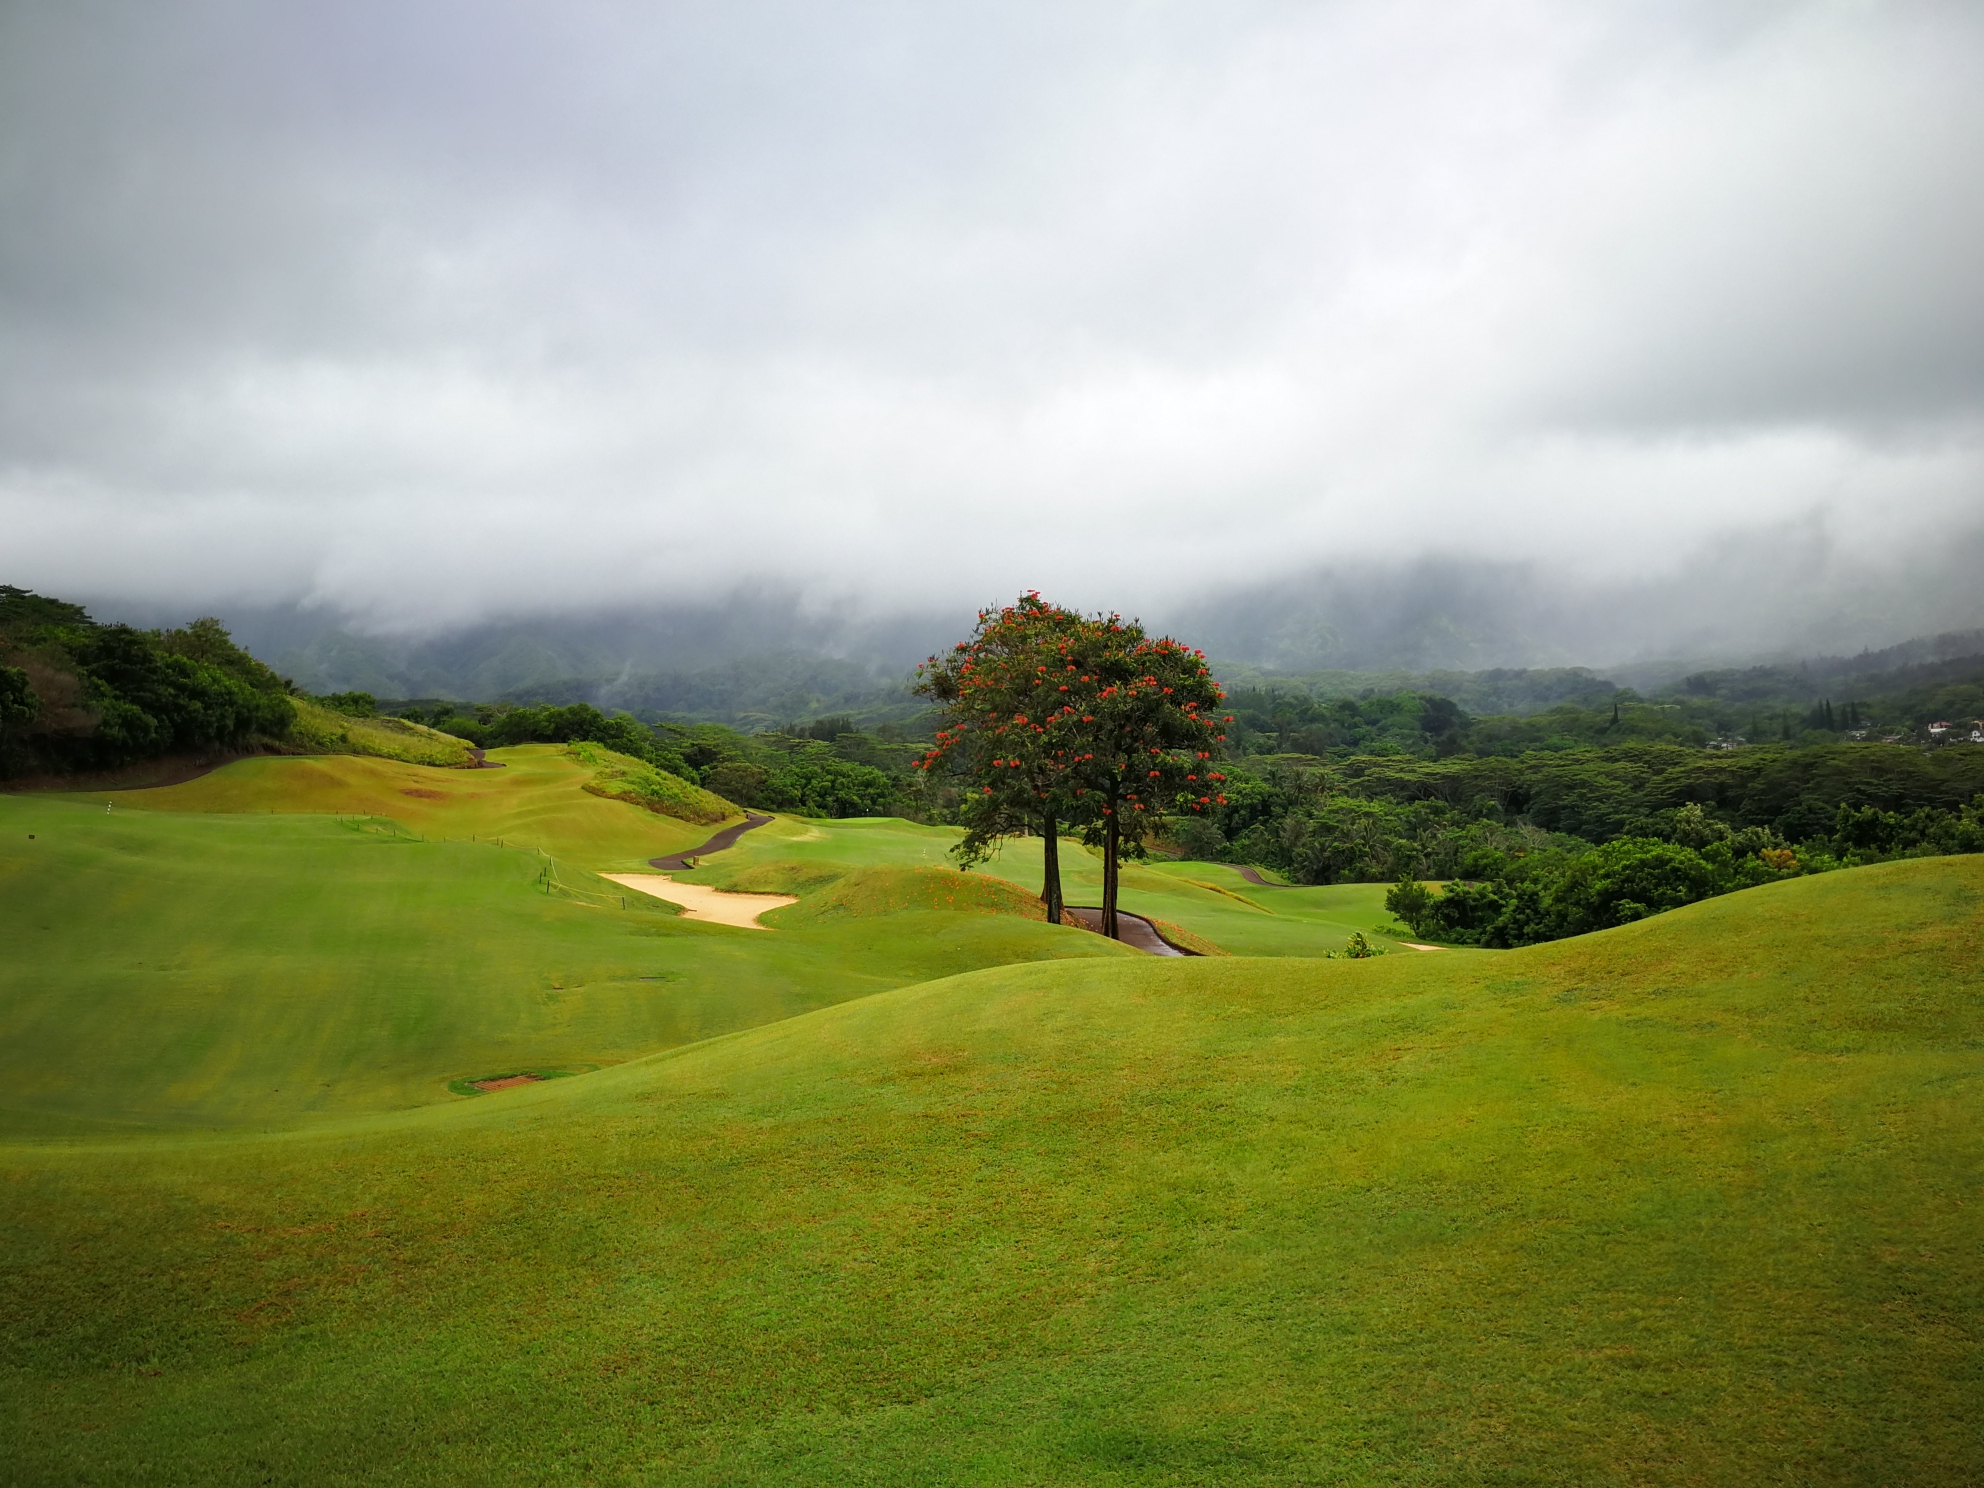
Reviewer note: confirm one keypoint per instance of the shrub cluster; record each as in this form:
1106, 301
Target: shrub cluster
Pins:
1521, 900
623, 778
794, 770
78, 695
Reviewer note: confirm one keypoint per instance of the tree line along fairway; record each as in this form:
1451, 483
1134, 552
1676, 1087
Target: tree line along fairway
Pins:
1685, 1201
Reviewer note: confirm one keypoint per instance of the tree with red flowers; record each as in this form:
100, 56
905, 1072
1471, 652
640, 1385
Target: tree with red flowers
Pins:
1150, 733
1057, 719
1008, 710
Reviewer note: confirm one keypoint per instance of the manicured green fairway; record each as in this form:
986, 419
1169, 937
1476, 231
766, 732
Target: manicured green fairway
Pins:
1694, 1201
247, 969
538, 799
1210, 899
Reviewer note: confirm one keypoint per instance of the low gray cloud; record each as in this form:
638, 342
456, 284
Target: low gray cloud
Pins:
430, 313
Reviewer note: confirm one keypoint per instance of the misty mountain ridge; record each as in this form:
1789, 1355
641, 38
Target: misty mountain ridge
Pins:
766, 688
1772, 596
1782, 617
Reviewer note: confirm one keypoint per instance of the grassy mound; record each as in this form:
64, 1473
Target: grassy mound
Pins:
318, 730
620, 777
537, 800
1687, 1202
882, 890
250, 968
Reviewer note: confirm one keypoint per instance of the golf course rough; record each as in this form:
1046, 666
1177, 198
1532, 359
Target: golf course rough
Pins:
1690, 1201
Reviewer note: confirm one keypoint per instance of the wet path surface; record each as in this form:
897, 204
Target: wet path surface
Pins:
1253, 876
679, 862
1136, 931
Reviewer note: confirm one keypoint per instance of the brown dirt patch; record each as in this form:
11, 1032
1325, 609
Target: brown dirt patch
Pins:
425, 795
507, 1082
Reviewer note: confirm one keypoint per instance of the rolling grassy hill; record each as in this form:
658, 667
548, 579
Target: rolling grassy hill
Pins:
917, 1189
286, 940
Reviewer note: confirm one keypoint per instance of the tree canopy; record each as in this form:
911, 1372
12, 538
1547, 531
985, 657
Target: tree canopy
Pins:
1061, 719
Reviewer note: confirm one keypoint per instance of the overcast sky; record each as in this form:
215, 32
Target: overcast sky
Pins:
435, 311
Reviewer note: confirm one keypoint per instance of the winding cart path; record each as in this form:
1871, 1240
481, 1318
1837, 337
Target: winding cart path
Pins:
679, 862
1136, 931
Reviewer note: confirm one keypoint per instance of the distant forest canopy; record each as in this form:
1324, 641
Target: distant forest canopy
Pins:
1887, 690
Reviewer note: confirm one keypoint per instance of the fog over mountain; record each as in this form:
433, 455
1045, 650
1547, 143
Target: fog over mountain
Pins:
1344, 334
769, 655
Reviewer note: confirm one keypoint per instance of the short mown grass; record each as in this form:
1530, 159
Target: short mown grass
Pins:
921, 1189
1693, 1201
391, 929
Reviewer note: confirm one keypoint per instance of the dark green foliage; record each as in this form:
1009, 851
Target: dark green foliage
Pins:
737, 780
1599, 794
18, 704
577, 722
359, 705
820, 785
1554, 844
1373, 820
99, 696
23, 611
1628, 880
1301, 821
1499, 691
206, 641
1339, 715
1411, 901
1357, 948
825, 729
1557, 895
1269, 721
151, 701
855, 775
1868, 834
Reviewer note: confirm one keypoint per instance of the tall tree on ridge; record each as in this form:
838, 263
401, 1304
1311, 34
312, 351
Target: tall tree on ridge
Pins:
1007, 728
1149, 735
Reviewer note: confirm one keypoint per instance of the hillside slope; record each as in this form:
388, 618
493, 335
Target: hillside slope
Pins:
1691, 1201
388, 930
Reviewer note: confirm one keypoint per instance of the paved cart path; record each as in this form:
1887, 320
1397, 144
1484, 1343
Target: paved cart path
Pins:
1137, 932
680, 863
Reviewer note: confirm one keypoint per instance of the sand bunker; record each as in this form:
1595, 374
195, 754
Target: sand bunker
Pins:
700, 903
507, 1081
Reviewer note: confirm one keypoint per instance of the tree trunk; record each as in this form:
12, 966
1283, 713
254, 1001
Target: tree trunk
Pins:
1111, 833
1050, 852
